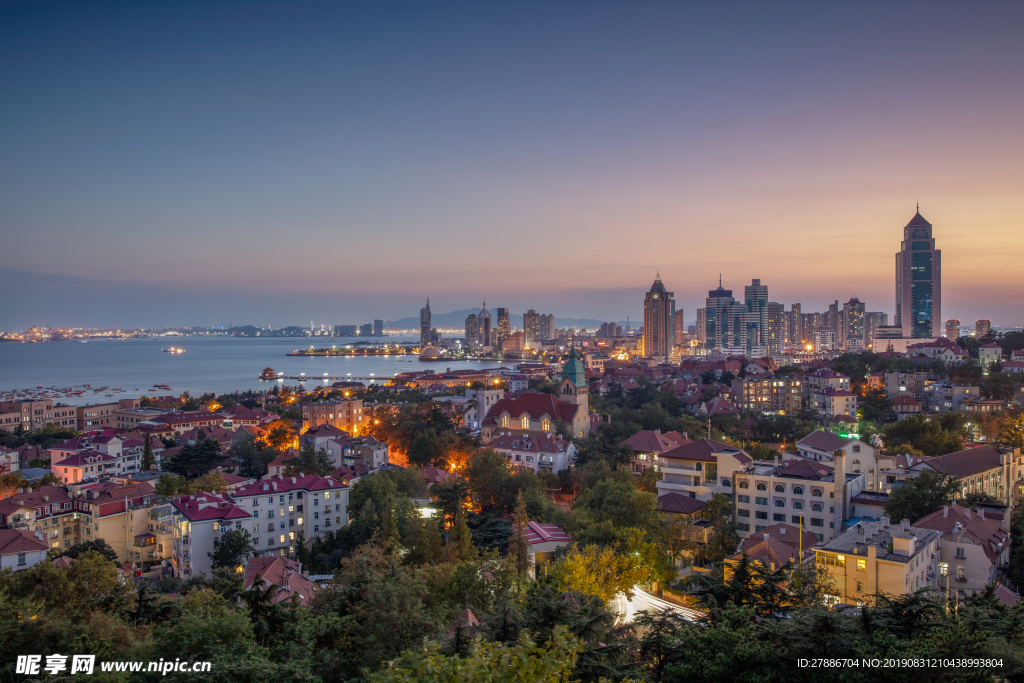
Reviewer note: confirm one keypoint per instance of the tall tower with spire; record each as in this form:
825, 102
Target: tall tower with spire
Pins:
659, 321
919, 281
425, 337
484, 318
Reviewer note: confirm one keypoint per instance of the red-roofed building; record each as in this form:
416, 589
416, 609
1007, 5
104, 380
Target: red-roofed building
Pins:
906, 406
542, 541
718, 406
549, 452
198, 520
285, 574
346, 414
700, 469
283, 508
774, 547
973, 547
169, 424
831, 403
648, 445
49, 512
20, 549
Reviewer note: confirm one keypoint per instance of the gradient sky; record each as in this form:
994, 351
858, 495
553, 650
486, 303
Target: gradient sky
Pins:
272, 163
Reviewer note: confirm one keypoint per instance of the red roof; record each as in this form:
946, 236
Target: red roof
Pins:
83, 458
534, 405
19, 541
803, 469
282, 572
705, 450
955, 520
545, 533
208, 506
679, 504
651, 441
308, 482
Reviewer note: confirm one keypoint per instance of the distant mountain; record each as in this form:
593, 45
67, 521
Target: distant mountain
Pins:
457, 320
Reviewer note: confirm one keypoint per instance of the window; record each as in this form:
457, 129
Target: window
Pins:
21, 559
699, 467
761, 501
762, 487
862, 565
860, 586
797, 505
504, 420
726, 484
780, 503
856, 449
779, 518
817, 522
744, 499
760, 514
796, 519
744, 485
743, 526
743, 512
961, 553
545, 424
779, 488
816, 493
524, 421
816, 507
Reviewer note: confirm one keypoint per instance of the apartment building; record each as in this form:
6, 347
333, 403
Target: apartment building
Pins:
50, 512
283, 509
648, 445
35, 414
801, 492
769, 396
20, 550
174, 422
861, 458
95, 454
131, 418
102, 415
832, 403
943, 396
122, 516
824, 378
879, 557
550, 452
973, 548
702, 469
345, 414
196, 522
983, 469
911, 384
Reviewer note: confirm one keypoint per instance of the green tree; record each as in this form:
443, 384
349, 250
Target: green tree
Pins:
309, 461
98, 546
459, 543
280, 434
193, 460
148, 461
519, 547
252, 459
915, 498
232, 549
1011, 429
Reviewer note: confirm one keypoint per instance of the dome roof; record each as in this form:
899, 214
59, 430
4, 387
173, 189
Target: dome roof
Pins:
430, 352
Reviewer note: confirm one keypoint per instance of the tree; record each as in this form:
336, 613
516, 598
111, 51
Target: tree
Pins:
98, 546
232, 549
280, 434
998, 385
252, 458
424, 542
309, 461
195, 459
148, 461
518, 546
1011, 430
915, 498
598, 570
459, 543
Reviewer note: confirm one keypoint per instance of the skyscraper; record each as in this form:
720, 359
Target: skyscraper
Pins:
472, 332
854, 333
680, 327
425, 324
729, 324
378, 327
547, 326
503, 328
919, 281
755, 296
872, 321
796, 324
982, 328
953, 329
659, 321
484, 323
772, 331
531, 326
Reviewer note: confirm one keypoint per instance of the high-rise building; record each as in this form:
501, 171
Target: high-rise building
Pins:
503, 327
547, 326
796, 325
919, 281
378, 327
680, 327
484, 325
982, 328
425, 336
873, 320
755, 296
854, 334
730, 325
701, 328
659, 321
472, 332
531, 326
772, 328
366, 329
833, 318
953, 329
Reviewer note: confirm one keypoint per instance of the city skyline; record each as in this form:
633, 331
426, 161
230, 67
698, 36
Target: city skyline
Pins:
180, 160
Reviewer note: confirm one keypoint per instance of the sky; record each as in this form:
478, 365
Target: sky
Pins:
198, 163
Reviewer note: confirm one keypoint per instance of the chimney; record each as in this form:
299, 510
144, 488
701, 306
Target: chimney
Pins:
782, 531
766, 535
657, 431
860, 529
945, 511
967, 512
905, 524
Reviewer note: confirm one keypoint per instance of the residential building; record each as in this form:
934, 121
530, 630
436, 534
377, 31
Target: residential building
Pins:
825, 339
542, 540
531, 327
20, 550
547, 327
873, 322
125, 418
853, 336
941, 397
768, 396
83, 465
658, 321
776, 546
873, 558
982, 469
911, 384
176, 422
679, 325
730, 324
344, 413
906, 406
103, 415
514, 343
796, 325
953, 329
33, 414
198, 520
378, 327
831, 403
549, 452
773, 328
796, 492
701, 469
942, 349
503, 327
284, 574
122, 516
974, 547
861, 458
283, 509
919, 282
648, 445
982, 328
50, 512
480, 402
988, 354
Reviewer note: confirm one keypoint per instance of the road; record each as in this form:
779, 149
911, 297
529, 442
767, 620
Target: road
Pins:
645, 602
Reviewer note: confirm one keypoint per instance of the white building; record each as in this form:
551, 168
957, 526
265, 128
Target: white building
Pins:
20, 549
701, 469
199, 520
549, 452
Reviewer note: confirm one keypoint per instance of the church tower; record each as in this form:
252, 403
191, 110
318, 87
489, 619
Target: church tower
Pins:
574, 389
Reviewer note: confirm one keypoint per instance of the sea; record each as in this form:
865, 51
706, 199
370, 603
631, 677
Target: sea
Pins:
133, 367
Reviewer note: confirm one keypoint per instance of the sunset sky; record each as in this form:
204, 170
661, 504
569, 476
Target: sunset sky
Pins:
275, 163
